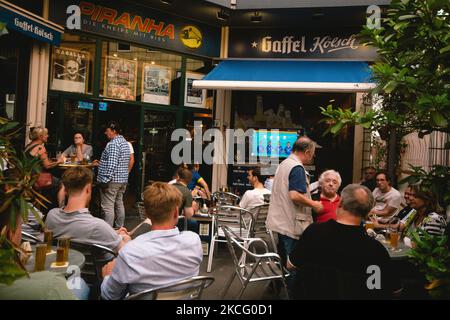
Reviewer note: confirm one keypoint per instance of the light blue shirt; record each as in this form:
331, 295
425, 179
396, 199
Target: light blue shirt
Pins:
153, 260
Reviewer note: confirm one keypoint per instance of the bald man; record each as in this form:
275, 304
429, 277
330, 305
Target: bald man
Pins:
290, 204
339, 252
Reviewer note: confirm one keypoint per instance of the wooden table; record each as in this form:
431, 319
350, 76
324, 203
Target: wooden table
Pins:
74, 165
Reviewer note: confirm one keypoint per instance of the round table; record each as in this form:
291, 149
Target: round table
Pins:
76, 258
400, 253
74, 165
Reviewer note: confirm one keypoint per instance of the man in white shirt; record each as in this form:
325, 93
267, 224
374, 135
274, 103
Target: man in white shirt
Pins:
255, 197
387, 199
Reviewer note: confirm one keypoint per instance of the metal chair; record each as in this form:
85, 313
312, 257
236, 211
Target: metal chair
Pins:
225, 198
29, 237
259, 225
96, 257
188, 289
238, 219
265, 266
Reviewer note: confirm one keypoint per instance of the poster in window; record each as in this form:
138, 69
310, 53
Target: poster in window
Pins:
120, 78
156, 83
70, 70
194, 97
203, 229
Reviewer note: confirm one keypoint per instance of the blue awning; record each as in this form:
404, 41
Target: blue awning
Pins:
20, 20
335, 76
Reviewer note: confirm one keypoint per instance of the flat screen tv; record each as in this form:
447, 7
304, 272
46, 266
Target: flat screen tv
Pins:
270, 143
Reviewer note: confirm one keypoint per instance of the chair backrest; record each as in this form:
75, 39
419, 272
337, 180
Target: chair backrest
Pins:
238, 219
260, 215
188, 289
225, 198
29, 237
240, 247
96, 256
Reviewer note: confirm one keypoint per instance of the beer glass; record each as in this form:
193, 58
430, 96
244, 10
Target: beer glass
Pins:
73, 157
48, 238
394, 234
60, 256
39, 261
369, 225
64, 242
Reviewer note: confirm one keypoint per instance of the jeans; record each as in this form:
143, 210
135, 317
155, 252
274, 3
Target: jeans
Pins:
111, 196
285, 246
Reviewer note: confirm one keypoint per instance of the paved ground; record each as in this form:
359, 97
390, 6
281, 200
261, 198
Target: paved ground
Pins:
222, 269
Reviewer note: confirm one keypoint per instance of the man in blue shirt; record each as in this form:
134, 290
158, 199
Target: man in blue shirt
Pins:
288, 148
113, 175
158, 258
198, 180
269, 148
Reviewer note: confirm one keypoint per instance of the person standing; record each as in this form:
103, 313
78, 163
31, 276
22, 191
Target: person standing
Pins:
290, 203
369, 178
113, 176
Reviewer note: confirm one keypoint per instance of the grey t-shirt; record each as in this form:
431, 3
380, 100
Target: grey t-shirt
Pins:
81, 226
392, 198
86, 150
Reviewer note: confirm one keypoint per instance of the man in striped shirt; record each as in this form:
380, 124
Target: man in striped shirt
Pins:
113, 176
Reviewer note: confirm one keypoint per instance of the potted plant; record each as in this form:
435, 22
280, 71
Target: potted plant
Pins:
16, 194
431, 255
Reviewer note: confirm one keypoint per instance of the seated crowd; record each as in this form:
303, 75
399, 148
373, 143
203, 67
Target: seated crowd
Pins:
332, 241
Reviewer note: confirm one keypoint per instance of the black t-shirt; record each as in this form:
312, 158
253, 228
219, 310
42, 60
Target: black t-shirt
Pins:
371, 184
335, 260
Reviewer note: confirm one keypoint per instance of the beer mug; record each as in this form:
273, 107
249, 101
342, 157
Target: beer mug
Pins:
48, 238
39, 261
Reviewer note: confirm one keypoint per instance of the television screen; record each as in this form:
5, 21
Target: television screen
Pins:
270, 143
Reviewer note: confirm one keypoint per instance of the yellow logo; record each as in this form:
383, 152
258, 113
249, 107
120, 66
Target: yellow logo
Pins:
191, 37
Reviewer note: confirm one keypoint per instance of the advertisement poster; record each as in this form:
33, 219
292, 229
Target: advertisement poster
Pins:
120, 78
194, 97
156, 83
69, 70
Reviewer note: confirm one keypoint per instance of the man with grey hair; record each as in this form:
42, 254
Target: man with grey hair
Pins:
329, 181
339, 252
290, 203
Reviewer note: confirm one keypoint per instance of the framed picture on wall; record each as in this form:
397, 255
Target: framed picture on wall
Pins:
194, 97
70, 69
156, 83
120, 78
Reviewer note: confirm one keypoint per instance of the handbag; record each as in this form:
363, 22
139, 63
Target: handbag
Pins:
44, 181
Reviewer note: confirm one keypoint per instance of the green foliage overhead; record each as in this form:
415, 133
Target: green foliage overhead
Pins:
413, 70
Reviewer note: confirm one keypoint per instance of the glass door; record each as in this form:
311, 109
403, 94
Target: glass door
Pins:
156, 162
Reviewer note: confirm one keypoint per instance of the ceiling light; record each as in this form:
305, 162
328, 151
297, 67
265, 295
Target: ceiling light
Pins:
167, 1
256, 17
223, 15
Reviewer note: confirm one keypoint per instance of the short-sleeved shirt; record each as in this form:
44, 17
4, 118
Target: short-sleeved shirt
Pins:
392, 198
434, 224
44, 285
131, 147
81, 226
253, 198
297, 180
86, 151
345, 248
186, 201
329, 209
196, 177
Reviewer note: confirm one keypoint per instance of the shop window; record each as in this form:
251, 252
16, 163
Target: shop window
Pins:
197, 98
138, 74
72, 67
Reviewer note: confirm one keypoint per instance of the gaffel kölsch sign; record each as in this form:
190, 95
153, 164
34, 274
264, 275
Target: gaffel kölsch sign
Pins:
289, 44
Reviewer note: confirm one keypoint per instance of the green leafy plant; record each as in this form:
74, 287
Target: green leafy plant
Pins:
16, 195
437, 180
432, 256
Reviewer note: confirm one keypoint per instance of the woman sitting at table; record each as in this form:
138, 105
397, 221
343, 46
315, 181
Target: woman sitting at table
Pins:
79, 148
36, 148
426, 218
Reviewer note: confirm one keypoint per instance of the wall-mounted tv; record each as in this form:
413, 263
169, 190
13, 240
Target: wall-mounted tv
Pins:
272, 143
